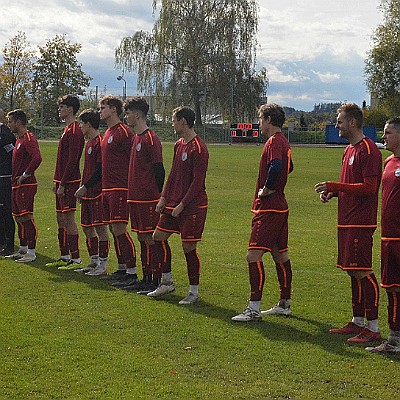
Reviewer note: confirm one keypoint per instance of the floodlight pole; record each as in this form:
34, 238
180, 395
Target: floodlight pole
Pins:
121, 78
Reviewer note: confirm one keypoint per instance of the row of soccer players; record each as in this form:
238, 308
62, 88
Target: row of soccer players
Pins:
131, 174
123, 178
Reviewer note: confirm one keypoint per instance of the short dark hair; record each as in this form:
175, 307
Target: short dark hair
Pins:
71, 101
275, 112
187, 113
352, 111
18, 115
137, 103
112, 101
395, 121
92, 116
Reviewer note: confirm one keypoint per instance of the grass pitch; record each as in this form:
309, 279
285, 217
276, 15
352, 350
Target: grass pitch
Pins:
66, 336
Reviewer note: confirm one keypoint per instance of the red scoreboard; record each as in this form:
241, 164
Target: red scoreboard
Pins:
245, 132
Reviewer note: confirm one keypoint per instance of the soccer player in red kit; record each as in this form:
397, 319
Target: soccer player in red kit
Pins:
183, 204
66, 180
269, 231
25, 160
357, 194
89, 195
115, 154
145, 183
390, 241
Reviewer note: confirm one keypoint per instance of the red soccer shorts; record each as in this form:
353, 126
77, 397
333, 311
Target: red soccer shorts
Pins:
22, 199
143, 216
269, 230
92, 212
355, 249
390, 263
68, 202
115, 206
190, 226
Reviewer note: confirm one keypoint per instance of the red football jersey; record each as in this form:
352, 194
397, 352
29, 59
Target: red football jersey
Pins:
276, 148
69, 153
186, 181
359, 161
92, 158
115, 154
26, 158
146, 151
390, 221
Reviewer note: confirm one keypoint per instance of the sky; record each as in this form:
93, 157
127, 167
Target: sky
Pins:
314, 50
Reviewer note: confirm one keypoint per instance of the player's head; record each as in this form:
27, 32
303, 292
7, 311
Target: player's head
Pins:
17, 115
90, 116
136, 110
184, 113
137, 104
351, 111
391, 135
274, 112
69, 100
111, 102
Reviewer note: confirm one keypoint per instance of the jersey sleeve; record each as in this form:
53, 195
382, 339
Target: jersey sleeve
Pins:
32, 148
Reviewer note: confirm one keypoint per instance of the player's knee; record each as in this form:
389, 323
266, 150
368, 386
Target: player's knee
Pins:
159, 236
254, 256
280, 257
189, 246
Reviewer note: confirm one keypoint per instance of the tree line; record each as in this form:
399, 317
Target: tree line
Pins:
199, 52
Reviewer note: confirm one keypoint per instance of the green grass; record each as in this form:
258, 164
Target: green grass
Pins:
66, 336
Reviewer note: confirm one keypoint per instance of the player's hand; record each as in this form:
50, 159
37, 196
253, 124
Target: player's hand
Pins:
61, 191
321, 187
19, 180
177, 210
160, 205
325, 196
80, 193
265, 192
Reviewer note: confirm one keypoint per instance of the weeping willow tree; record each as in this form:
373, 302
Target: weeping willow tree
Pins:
199, 52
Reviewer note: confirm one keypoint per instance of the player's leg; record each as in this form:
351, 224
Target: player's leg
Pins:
30, 233
145, 286
127, 254
92, 245
284, 273
18, 209
390, 280
166, 226
191, 228
257, 278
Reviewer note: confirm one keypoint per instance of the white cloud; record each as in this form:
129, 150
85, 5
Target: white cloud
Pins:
277, 75
327, 76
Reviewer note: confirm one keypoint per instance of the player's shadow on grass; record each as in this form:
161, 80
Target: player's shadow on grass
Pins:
277, 328
95, 282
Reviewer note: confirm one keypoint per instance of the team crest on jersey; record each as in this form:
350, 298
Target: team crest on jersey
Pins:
184, 156
351, 161
18, 146
89, 150
397, 173
110, 139
139, 147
